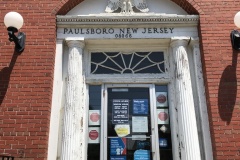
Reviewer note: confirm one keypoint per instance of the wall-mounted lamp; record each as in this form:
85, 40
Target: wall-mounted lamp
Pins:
14, 21
235, 34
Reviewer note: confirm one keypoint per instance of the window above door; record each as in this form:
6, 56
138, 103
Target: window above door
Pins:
127, 63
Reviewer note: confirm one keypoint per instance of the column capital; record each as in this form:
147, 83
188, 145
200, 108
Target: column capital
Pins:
179, 41
194, 42
75, 42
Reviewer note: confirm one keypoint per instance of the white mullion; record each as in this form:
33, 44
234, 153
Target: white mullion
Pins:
154, 124
103, 141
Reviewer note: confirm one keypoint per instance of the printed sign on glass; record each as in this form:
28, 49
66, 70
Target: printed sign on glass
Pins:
122, 130
94, 117
139, 124
140, 106
120, 111
163, 116
93, 135
118, 146
142, 155
161, 99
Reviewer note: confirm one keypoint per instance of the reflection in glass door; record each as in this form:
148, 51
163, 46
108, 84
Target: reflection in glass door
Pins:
129, 124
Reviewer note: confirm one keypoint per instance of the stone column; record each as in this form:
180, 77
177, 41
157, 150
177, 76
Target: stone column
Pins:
72, 140
188, 134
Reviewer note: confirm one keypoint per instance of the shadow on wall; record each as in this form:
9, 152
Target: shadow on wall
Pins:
5, 74
227, 91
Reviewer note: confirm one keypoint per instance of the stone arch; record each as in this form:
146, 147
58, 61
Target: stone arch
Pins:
63, 7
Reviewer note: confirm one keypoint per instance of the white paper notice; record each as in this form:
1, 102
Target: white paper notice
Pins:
139, 124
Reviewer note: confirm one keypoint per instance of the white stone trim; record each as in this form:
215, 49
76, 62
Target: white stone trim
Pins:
118, 19
56, 103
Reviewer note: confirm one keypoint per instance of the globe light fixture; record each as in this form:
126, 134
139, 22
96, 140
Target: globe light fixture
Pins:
237, 19
235, 35
14, 21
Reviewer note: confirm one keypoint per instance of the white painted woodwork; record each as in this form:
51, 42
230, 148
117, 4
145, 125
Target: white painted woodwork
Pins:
72, 140
137, 26
201, 97
129, 33
188, 134
56, 102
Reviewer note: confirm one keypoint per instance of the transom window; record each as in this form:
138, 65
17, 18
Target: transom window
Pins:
127, 62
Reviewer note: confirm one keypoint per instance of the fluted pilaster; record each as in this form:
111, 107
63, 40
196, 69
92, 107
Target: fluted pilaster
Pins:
188, 135
206, 144
72, 141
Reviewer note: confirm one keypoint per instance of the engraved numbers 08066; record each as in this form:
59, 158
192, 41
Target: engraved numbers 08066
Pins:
123, 35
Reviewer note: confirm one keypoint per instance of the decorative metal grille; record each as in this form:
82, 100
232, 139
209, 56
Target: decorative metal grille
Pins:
131, 63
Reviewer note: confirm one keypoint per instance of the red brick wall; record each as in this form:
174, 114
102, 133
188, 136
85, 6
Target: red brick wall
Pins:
222, 76
26, 79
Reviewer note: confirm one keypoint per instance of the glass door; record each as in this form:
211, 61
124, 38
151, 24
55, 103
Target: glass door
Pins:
130, 133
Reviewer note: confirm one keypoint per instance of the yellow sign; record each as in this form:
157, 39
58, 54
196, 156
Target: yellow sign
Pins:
122, 130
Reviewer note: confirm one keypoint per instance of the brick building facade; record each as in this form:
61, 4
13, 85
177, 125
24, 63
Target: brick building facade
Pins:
27, 79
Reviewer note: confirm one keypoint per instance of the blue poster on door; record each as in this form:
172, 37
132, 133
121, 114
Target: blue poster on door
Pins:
140, 106
142, 155
118, 146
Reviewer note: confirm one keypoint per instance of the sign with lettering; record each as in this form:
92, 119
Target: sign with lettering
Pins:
120, 111
139, 124
130, 32
142, 155
118, 31
140, 106
118, 146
